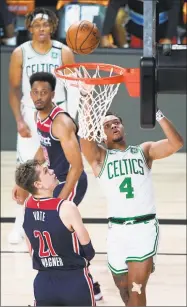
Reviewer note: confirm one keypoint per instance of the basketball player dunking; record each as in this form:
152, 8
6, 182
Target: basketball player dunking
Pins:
58, 242
124, 174
40, 54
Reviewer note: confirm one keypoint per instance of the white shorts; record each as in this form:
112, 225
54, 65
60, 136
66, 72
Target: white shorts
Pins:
136, 242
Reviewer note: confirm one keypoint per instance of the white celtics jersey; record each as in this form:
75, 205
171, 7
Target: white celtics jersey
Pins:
126, 181
34, 62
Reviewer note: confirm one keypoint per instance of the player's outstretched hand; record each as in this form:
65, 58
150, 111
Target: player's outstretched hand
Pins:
19, 195
23, 129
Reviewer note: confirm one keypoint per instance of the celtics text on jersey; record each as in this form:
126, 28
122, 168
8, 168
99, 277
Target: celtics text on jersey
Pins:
126, 181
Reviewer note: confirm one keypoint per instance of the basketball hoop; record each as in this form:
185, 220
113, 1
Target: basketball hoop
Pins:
98, 83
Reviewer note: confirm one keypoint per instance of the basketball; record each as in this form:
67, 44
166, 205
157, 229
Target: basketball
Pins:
83, 37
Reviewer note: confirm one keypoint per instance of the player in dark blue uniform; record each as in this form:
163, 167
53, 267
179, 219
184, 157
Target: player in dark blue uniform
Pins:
56, 157
58, 242
58, 138
60, 147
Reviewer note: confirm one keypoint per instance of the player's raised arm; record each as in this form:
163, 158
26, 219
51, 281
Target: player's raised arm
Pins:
15, 75
165, 147
93, 152
64, 129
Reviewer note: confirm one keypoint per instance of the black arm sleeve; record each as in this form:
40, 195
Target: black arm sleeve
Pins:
88, 251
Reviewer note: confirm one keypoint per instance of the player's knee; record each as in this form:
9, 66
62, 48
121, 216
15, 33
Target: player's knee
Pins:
136, 289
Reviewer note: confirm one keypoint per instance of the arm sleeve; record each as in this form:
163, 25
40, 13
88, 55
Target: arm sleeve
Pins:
88, 251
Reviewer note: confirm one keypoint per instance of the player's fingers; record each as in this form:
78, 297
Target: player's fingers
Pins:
25, 133
28, 134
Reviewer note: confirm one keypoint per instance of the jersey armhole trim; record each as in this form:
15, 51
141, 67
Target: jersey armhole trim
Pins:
103, 166
58, 210
143, 156
51, 134
59, 205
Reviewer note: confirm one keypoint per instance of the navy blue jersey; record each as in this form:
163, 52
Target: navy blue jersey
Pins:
54, 247
52, 148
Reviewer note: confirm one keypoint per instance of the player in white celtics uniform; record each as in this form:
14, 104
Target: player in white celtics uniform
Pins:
40, 54
124, 174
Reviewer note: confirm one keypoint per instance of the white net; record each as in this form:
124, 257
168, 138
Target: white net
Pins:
94, 102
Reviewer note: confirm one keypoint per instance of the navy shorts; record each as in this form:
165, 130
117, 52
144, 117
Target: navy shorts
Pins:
64, 288
78, 192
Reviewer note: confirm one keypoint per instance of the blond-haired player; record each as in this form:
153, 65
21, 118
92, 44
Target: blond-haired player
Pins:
124, 174
42, 53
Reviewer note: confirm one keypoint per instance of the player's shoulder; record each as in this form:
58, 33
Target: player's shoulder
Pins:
64, 121
25, 45
63, 117
146, 146
57, 44
18, 51
57, 113
67, 207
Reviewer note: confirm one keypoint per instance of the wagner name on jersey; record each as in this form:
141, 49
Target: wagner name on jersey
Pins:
54, 246
126, 181
34, 62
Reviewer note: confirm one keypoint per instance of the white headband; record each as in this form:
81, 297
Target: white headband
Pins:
41, 16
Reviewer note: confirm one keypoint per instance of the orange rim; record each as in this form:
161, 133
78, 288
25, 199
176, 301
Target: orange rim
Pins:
129, 76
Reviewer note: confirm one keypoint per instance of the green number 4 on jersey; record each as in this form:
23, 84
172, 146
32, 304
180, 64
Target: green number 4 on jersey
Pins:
126, 187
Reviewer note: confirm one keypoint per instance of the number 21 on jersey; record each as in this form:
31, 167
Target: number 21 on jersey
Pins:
126, 187
45, 240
